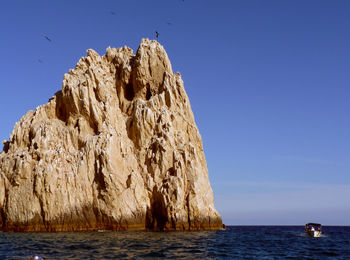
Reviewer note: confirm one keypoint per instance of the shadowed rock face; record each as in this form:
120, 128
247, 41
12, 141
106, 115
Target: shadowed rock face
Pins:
117, 148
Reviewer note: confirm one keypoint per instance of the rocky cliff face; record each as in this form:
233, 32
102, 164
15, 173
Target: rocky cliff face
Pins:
117, 148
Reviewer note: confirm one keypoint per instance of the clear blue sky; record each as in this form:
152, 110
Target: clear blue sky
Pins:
268, 81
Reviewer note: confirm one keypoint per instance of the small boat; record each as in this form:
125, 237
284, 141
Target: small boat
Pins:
36, 257
313, 229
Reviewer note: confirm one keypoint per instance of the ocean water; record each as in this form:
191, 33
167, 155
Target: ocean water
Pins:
237, 242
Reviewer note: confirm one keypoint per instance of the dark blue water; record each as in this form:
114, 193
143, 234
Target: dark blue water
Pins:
238, 242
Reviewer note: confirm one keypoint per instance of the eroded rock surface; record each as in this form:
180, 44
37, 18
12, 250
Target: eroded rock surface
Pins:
117, 148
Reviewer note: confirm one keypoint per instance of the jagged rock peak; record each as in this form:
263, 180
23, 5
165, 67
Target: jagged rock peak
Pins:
117, 148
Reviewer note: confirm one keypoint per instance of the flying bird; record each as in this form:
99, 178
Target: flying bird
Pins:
169, 23
47, 38
157, 34
40, 61
112, 13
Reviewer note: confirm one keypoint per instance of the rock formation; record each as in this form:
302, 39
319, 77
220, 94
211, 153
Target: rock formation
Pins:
116, 149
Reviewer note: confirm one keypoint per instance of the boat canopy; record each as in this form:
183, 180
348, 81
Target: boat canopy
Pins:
313, 224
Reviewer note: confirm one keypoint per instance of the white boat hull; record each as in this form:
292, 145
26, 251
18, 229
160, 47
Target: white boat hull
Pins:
314, 233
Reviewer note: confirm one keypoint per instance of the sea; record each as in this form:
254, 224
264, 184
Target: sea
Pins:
236, 242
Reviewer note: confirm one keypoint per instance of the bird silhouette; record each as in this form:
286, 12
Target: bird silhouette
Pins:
112, 13
47, 38
157, 34
40, 61
169, 23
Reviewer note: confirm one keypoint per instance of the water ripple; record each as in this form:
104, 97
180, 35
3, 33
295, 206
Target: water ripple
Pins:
236, 242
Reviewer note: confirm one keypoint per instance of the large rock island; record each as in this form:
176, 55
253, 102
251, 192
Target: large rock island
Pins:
116, 149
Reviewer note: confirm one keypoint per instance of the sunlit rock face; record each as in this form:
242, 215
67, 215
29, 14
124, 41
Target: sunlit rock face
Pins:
116, 149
